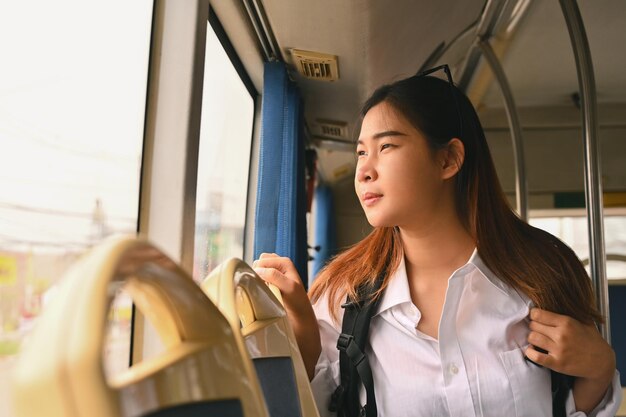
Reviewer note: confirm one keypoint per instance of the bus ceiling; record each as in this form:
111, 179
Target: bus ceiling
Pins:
377, 42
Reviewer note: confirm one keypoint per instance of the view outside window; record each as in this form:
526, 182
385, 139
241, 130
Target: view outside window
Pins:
224, 159
72, 100
573, 231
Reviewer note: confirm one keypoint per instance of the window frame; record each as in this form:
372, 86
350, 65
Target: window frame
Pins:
169, 166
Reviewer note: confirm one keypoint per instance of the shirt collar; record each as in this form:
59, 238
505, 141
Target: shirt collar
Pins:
398, 291
479, 265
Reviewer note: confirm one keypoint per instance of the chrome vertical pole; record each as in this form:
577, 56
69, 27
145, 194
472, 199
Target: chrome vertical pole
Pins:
521, 188
593, 187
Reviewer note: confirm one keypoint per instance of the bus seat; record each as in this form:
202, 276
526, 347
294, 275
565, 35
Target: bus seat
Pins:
201, 371
255, 311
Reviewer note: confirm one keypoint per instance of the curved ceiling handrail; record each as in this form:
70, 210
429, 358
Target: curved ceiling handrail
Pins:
609, 257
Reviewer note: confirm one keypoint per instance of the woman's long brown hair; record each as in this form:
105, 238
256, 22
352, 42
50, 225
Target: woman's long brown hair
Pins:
526, 258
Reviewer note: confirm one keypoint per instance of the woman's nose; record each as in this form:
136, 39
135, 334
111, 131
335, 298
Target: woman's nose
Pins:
365, 172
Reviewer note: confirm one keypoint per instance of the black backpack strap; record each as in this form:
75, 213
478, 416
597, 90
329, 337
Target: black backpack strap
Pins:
561, 385
353, 364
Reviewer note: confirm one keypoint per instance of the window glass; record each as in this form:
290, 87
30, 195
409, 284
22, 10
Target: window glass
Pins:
224, 159
573, 231
72, 102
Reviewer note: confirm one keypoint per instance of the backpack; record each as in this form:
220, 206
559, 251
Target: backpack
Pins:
355, 370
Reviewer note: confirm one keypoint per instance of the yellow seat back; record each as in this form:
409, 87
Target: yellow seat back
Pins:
60, 371
254, 309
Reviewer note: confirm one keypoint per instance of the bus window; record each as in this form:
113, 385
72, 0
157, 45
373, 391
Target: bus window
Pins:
571, 228
72, 101
224, 158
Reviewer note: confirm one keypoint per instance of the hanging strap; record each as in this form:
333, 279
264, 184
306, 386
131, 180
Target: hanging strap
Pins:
353, 363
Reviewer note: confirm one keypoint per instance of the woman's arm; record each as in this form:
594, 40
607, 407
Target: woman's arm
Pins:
282, 273
575, 349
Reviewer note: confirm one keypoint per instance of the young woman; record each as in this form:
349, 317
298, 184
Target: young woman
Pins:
469, 290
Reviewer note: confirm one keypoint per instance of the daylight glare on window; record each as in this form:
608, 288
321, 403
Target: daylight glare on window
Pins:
72, 101
223, 161
573, 231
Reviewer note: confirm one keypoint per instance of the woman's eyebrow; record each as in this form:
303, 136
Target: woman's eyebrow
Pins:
384, 134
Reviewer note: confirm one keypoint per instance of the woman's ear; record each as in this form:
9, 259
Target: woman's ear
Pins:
452, 157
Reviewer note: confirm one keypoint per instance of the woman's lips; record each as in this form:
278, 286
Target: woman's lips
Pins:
370, 199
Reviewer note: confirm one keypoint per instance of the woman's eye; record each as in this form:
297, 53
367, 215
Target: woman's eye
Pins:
385, 146
360, 153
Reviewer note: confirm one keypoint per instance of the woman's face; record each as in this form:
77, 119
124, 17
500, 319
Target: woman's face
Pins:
399, 180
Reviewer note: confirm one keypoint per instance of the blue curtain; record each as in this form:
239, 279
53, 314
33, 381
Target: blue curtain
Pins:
325, 238
280, 225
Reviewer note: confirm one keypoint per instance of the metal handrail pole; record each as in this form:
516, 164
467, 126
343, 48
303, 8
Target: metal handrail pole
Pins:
521, 187
593, 187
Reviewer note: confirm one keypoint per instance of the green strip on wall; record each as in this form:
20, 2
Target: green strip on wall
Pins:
569, 200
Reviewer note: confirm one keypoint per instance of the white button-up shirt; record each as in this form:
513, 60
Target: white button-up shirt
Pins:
476, 368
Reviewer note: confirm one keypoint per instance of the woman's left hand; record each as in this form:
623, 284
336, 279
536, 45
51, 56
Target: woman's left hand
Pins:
282, 273
572, 348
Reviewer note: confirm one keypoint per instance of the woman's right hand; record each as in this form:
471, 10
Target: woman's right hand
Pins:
282, 273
